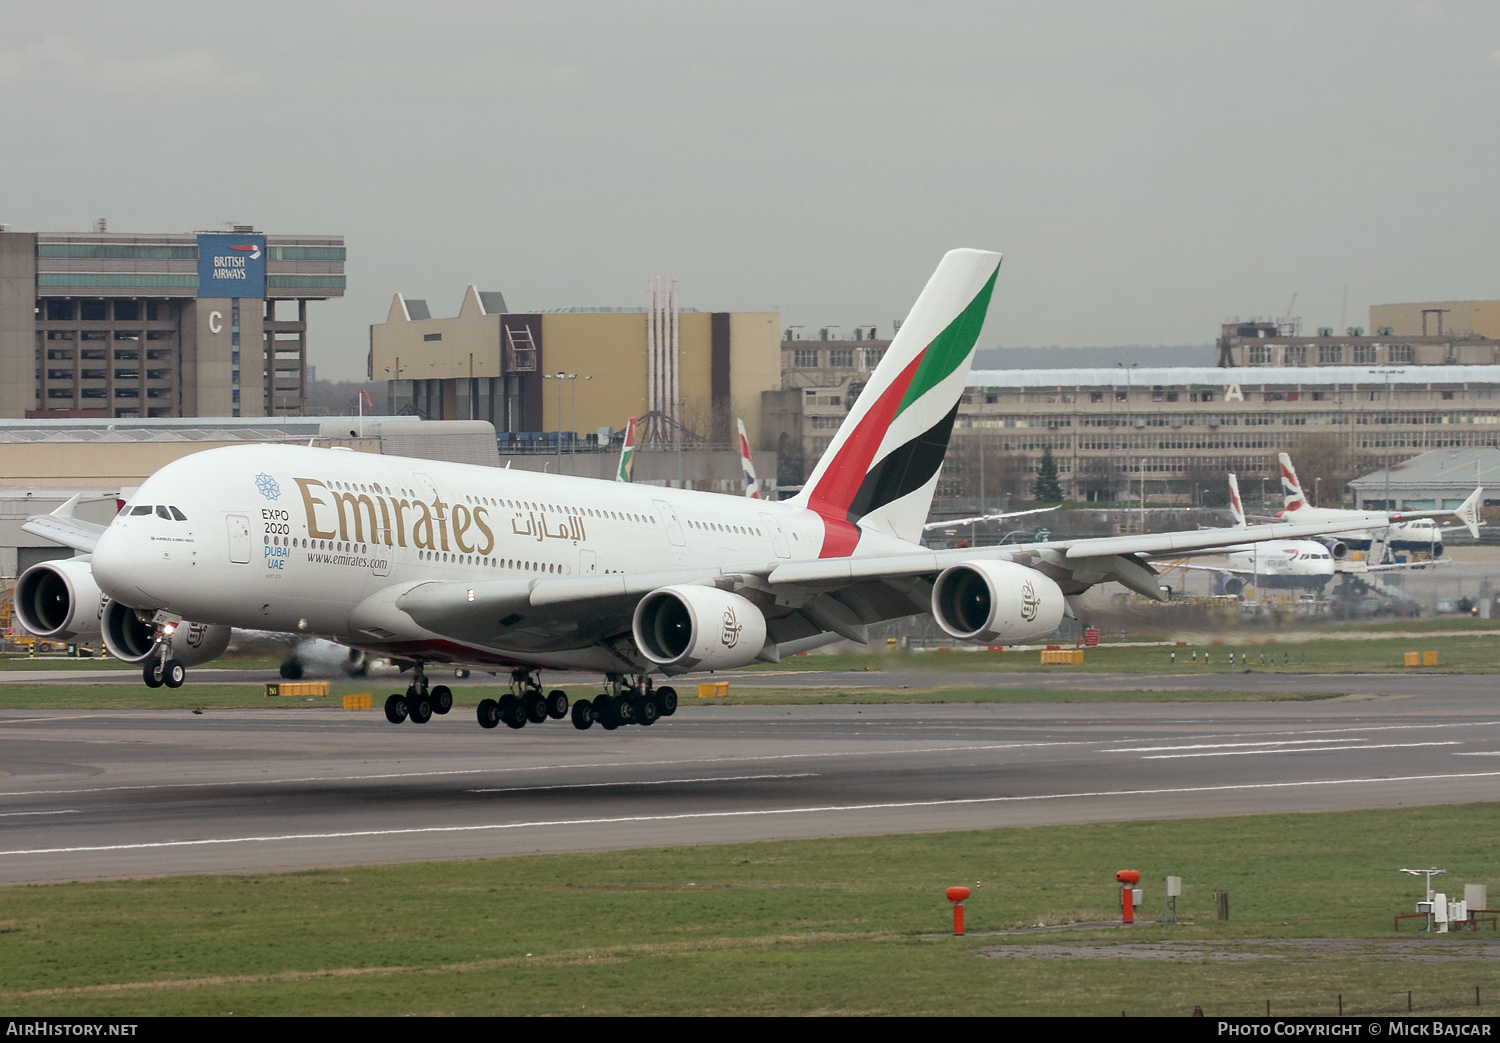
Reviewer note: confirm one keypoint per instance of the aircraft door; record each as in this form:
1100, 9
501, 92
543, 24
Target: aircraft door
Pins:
239, 539
778, 538
588, 563
669, 519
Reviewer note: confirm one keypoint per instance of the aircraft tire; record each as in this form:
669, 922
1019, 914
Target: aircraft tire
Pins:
583, 715
173, 674
557, 704
604, 713
624, 708
511, 711
291, 670
395, 709
489, 713
535, 707
441, 698
419, 710
646, 710
666, 700
151, 674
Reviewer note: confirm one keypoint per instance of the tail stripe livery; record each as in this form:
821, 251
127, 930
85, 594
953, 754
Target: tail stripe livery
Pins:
890, 448
1235, 506
1291, 489
747, 464
627, 453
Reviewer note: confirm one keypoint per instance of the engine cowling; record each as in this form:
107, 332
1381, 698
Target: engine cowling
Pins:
131, 639
1228, 583
996, 601
682, 628
59, 599
1336, 549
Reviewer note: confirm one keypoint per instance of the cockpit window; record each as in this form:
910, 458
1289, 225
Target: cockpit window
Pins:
161, 512
177, 514
136, 512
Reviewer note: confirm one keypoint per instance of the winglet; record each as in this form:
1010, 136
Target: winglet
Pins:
1468, 512
66, 510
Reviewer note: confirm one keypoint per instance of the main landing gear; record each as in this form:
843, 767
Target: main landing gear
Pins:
420, 702
632, 701
526, 702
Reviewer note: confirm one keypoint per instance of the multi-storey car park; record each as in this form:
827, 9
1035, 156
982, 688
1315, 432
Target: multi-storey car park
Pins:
107, 325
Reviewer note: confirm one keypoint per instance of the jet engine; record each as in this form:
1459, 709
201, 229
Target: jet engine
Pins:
682, 628
1336, 548
59, 599
132, 639
996, 601
1227, 583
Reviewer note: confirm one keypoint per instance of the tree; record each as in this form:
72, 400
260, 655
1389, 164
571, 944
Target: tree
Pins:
1046, 488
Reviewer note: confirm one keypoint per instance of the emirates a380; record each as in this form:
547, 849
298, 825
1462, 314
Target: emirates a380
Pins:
460, 566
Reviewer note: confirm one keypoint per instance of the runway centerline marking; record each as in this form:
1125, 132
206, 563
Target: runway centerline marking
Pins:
1302, 749
683, 816
641, 782
20, 814
1220, 745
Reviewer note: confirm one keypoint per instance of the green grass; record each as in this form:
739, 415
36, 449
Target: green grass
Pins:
1479, 653
85, 696
853, 925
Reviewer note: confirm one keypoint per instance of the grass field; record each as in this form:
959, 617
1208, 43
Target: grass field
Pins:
85, 696
843, 926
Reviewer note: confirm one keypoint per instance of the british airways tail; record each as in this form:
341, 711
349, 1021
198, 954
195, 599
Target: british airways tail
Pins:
752, 488
1236, 507
880, 471
1291, 489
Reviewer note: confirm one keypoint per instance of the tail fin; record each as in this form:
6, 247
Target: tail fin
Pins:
747, 465
627, 454
1291, 489
881, 469
1235, 506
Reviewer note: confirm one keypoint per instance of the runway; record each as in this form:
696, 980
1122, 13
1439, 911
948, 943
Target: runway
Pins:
91, 794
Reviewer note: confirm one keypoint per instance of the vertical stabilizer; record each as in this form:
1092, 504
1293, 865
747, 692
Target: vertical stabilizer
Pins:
1235, 506
880, 471
752, 489
1291, 489
627, 453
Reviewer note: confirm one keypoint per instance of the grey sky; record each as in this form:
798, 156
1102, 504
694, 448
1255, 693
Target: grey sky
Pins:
1148, 169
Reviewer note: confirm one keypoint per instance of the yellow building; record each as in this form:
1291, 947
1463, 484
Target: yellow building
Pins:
1437, 319
700, 369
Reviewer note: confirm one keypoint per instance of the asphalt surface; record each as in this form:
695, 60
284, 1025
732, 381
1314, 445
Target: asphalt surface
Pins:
91, 794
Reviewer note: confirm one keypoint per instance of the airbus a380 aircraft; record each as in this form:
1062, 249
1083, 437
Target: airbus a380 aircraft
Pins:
502, 570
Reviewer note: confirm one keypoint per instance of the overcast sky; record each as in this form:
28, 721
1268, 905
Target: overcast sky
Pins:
1148, 169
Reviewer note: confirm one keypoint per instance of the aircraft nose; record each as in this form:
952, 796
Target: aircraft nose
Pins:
114, 564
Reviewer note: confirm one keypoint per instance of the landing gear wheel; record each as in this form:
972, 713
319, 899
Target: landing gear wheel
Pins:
536, 707
557, 704
395, 709
291, 670
624, 709
151, 674
646, 710
173, 674
489, 713
511, 711
583, 715
441, 698
412, 692
604, 713
460, 674
666, 700
419, 709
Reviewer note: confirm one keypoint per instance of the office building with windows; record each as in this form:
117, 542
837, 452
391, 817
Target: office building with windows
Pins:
106, 325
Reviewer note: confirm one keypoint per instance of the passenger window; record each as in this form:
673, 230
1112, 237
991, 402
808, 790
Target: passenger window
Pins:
161, 512
136, 512
177, 514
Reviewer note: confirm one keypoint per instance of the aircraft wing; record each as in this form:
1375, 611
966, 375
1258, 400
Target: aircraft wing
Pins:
803, 601
984, 518
61, 527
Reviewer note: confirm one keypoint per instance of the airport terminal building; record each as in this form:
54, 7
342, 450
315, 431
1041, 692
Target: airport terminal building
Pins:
103, 325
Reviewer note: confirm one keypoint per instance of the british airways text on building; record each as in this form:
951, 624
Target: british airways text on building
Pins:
231, 265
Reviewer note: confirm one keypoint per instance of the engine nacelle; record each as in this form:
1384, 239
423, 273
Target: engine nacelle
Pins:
1227, 583
59, 599
132, 639
996, 601
682, 628
1336, 548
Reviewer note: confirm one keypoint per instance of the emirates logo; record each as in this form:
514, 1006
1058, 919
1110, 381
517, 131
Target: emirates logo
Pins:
1029, 601
732, 627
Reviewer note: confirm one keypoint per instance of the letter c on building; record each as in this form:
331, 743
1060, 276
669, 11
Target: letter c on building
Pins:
215, 321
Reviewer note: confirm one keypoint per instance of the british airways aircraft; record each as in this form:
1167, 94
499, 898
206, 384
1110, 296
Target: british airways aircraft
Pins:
462, 566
